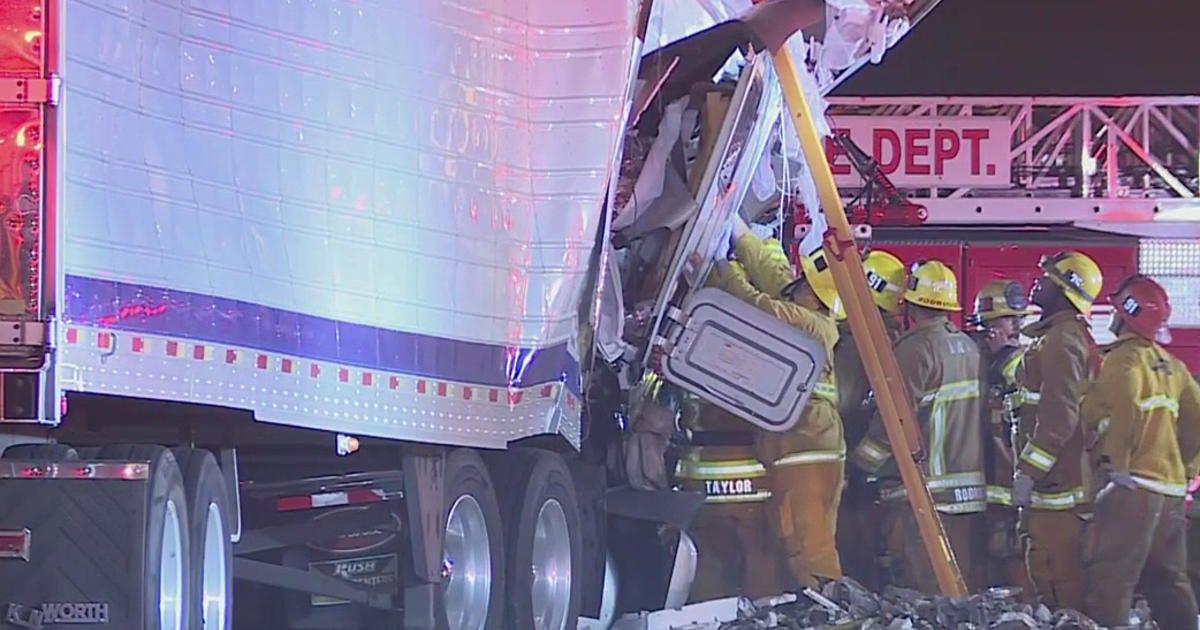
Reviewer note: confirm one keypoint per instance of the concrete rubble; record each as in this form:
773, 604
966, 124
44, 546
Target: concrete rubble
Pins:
845, 604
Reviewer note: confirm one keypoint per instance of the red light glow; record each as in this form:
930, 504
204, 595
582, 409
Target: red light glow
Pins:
128, 312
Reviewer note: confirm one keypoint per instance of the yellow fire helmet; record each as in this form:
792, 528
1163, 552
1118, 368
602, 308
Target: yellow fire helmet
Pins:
1000, 298
932, 284
1077, 275
885, 278
816, 273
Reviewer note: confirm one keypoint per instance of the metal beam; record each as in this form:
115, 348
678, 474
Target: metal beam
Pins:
1172, 130
1034, 210
1133, 145
308, 582
1046, 130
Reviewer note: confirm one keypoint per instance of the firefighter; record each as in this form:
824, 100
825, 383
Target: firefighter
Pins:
1000, 308
736, 553
804, 465
1054, 374
941, 371
858, 518
1142, 421
885, 278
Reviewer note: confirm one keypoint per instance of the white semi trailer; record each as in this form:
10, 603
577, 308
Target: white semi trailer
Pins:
300, 301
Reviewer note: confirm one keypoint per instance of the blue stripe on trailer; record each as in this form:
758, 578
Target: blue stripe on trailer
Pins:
154, 310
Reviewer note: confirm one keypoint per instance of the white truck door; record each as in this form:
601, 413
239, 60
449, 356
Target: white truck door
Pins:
741, 359
753, 112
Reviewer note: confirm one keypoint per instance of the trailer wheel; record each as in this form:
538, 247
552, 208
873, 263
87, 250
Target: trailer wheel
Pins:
41, 452
473, 546
542, 511
211, 557
165, 591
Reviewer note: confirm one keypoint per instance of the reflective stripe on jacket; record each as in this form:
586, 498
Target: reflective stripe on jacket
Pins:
723, 480
941, 372
1000, 495
1143, 415
827, 392
1054, 375
952, 494
819, 429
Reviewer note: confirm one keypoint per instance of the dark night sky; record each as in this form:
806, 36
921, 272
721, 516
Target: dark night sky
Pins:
1043, 48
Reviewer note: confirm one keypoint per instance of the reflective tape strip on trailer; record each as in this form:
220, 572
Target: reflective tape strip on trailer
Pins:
109, 342
330, 499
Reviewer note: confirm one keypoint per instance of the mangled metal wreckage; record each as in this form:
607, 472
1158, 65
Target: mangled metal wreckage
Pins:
708, 138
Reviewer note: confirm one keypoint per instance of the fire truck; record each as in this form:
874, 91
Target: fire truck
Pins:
1148, 224
987, 168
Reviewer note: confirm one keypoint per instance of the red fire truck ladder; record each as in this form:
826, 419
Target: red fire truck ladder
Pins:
878, 202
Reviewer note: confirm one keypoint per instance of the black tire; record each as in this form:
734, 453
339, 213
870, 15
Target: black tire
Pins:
40, 451
529, 479
466, 476
166, 489
204, 487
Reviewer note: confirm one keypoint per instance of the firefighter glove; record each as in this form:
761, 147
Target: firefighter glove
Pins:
725, 244
1123, 479
1022, 490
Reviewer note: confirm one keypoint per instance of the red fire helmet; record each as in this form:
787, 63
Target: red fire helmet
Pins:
1142, 305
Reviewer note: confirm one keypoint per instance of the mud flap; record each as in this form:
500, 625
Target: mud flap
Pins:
86, 545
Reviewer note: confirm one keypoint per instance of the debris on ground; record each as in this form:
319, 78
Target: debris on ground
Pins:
846, 604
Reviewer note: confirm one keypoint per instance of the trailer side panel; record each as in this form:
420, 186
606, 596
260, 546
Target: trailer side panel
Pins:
369, 217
